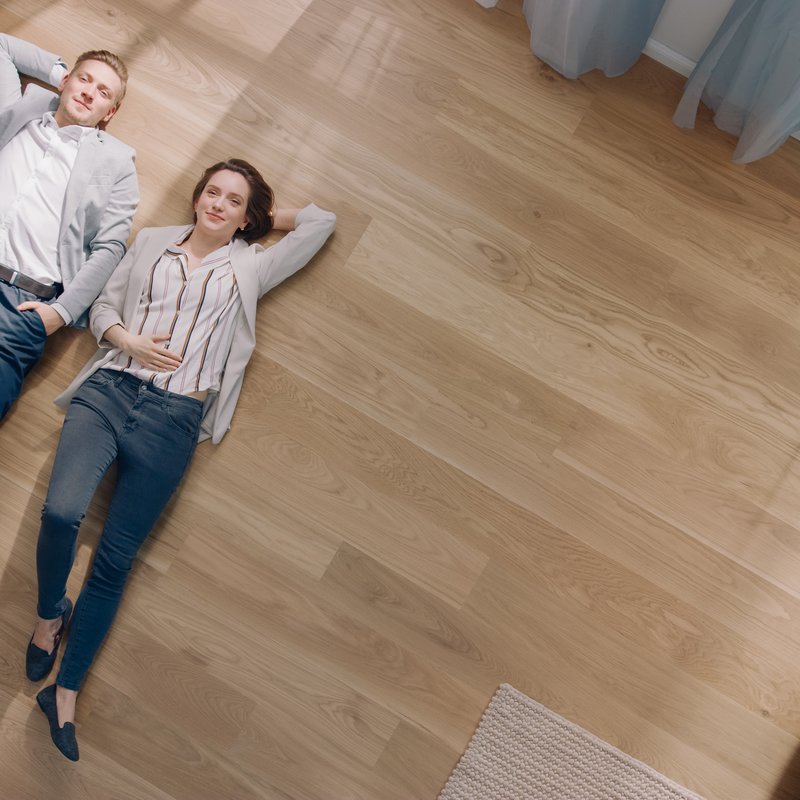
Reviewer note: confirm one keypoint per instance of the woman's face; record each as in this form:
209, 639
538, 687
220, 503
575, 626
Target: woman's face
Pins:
222, 205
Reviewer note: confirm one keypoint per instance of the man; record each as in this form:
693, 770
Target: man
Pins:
68, 191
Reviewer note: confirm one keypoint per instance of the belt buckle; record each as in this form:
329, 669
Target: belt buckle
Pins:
14, 276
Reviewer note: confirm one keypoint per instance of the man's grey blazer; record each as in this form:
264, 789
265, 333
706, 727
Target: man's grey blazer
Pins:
102, 193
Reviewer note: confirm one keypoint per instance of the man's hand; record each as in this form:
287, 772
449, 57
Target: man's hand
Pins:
150, 351
50, 317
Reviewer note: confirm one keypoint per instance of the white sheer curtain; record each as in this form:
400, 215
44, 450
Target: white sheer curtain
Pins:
575, 36
750, 76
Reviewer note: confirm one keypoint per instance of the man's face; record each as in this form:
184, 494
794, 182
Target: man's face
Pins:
88, 95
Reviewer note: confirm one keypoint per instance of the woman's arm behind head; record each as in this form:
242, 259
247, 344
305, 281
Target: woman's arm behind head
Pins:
311, 227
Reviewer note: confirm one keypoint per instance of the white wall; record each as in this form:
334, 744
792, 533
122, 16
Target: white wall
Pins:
687, 26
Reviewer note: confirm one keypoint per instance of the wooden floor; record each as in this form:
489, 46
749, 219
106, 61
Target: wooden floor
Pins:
532, 416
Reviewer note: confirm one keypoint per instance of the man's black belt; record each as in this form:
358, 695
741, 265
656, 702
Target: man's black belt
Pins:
46, 291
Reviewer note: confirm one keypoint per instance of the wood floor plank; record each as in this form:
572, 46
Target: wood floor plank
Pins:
306, 433
418, 760
663, 370
218, 639
422, 379
679, 562
646, 618
159, 750
33, 769
750, 204
722, 516
296, 616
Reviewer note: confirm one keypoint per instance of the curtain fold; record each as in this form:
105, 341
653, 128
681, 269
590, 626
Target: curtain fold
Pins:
750, 76
575, 36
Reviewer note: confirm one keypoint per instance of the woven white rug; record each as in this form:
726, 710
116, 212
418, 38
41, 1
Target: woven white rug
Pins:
523, 751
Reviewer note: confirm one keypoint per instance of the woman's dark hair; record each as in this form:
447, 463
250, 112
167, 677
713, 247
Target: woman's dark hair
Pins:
259, 204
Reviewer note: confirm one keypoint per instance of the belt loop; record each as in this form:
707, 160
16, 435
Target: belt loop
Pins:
14, 276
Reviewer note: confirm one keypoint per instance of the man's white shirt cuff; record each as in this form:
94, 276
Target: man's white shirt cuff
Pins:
58, 71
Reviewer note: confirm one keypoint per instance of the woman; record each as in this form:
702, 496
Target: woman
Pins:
176, 328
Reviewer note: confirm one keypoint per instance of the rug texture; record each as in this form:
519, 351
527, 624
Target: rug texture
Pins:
523, 751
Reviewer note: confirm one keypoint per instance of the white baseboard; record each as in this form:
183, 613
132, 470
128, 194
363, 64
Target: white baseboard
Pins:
669, 57
675, 61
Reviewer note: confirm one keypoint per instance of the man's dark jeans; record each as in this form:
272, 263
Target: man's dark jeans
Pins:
22, 340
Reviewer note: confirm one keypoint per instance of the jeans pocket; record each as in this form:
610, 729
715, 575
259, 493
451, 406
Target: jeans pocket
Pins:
35, 322
186, 417
97, 382
101, 377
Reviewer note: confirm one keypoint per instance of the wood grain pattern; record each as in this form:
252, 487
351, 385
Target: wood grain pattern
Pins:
533, 415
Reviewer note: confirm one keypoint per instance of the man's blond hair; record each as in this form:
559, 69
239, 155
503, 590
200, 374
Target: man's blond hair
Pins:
113, 61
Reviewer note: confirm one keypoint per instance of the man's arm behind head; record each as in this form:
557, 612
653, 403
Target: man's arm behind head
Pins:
20, 57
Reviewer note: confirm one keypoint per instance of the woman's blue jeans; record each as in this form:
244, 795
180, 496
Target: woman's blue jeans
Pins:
152, 435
